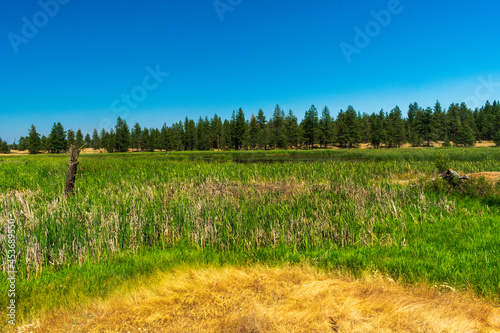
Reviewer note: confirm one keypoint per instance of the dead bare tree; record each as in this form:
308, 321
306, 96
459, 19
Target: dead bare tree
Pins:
72, 167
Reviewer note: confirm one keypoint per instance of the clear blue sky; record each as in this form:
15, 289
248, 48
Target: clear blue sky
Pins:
87, 54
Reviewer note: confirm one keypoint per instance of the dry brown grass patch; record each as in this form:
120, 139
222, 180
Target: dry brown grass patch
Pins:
287, 299
491, 177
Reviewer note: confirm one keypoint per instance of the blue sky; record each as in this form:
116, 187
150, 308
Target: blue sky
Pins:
85, 57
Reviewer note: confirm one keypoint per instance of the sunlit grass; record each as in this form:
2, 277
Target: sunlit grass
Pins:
340, 210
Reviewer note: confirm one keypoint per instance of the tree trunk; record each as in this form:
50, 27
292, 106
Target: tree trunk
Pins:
71, 174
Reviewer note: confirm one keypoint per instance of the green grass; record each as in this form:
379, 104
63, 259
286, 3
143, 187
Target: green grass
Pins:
137, 213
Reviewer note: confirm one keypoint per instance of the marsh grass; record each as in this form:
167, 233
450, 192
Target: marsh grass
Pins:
343, 212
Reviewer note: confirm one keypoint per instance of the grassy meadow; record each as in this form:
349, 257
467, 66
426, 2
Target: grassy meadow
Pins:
351, 211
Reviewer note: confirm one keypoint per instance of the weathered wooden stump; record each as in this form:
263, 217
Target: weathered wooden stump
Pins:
71, 174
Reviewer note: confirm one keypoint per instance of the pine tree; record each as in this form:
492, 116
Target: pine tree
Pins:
217, 132
136, 136
378, 134
424, 125
497, 138
253, 132
326, 127
103, 139
79, 139
4, 147
342, 130
277, 128
71, 138
44, 143
88, 140
33, 142
310, 126
447, 142
22, 144
294, 132
238, 129
111, 141
165, 141
96, 143
411, 125
395, 128
351, 123
263, 140
57, 139
453, 120
122, 135
439, 121
227, 135
365, 128
465, 136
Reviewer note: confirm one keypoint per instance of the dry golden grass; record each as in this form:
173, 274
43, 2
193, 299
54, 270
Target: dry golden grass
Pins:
491, 177
287, 299
360, 146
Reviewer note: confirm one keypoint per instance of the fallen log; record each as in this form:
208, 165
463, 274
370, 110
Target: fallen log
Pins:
450, 175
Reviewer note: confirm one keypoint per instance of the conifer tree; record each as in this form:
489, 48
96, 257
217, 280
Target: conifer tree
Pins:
263, 140
88, 140
79, 139
122, 135
351, 123
310, 126
294, 132
136, 136
4, 147
96, 143
57, 139
253, 132
277, 129
71, 138
33, 142
326, 127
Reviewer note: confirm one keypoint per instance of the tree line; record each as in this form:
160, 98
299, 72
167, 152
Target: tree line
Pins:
458, 125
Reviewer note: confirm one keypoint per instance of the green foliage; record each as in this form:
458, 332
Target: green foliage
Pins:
310, 126
465, 137
33, 141
277, 129
473, 188
458, 124
293, 131
132, 211
57, 139
327, 128
446, 142
79, 139
71, 138
122, 136
4, 147
497, 138
378, 132
442, 162
96, 142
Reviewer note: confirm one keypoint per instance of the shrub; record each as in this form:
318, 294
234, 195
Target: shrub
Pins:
447, 142
497, 139
442, 162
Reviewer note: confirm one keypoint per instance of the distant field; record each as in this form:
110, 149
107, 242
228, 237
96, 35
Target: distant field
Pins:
348, 211
360, 146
